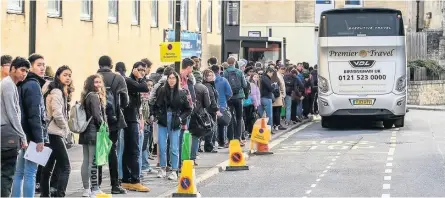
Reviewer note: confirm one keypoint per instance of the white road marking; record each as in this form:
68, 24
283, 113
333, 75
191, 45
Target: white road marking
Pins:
332, 163
386, 186
386, 196
322, 175
388, 164
328, 167
393, 138
391, 151
308, 192
389, 158
338, 153
337, 156
334, 160
387, 178
313, 147
313, 185
325, 171
318, 180
388, 170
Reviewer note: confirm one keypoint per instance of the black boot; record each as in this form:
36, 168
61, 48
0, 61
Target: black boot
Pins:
118, 190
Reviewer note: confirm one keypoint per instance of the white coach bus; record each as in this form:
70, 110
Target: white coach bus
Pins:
362, 66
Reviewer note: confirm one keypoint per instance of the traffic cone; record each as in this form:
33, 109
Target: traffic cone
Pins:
261, 134
236, 157
187, 186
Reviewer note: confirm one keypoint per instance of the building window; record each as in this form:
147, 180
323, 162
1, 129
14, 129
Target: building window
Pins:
135, 10
113, 8
15, 6
54, 8
154, 13
171, 14
353, 3
184, 14
219, 16
198, 15
87, 10
209, 16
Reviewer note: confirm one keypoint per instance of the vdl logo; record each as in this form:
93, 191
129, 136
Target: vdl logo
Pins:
362, 63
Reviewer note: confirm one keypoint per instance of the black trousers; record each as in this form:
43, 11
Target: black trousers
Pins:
9, 160
307, 105
276, 116
234, 129
210, 139
130, 157
249, 118
58, 162
222, 136
293, 112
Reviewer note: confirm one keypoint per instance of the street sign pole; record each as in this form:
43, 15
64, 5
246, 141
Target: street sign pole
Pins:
178, 30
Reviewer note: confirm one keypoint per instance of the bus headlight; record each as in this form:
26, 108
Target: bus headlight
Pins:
401, 84
323, 84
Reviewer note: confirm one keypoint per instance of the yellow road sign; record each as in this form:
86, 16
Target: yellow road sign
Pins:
170, 51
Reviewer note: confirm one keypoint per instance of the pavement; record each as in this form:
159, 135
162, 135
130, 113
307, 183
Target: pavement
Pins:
427, 108
356, 160
209, 164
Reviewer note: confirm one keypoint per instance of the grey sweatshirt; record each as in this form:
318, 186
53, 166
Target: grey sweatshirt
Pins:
10, 108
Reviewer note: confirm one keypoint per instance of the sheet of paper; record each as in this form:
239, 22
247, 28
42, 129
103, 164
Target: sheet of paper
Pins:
41, 158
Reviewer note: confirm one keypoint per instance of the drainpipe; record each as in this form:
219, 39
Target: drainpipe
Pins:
32, 26
417, 15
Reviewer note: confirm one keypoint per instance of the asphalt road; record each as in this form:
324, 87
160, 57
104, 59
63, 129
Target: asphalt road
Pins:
356, 161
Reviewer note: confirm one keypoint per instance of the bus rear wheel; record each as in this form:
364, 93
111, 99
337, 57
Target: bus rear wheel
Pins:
325, 122
387, 124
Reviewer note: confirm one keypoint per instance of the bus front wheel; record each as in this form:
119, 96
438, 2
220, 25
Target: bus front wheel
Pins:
324, 122
400, 122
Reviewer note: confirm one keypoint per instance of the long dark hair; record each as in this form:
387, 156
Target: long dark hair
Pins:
57, 84
89, 87
167, 87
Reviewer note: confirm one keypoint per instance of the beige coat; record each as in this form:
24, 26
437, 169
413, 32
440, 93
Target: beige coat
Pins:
56, 111
280, 100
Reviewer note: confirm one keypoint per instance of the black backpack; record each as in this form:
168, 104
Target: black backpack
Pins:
111, 104
234, 81
276, 90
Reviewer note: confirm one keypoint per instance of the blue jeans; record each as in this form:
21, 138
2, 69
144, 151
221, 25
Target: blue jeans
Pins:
266, 105
25, 174
145, 154
120, 151
195, 147
288, 101
300, 109
141, 141
165, 133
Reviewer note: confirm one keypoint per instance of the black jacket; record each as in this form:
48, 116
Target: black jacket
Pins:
213, 94
33, 108
95, 110
135, 87
119, 89
202, 100
178, 105
266, 88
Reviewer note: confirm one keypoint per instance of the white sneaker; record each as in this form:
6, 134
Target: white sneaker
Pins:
162, 173
96, 192
173, 176
86, 193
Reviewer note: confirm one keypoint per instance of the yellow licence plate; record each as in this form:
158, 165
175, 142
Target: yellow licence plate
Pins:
363, 102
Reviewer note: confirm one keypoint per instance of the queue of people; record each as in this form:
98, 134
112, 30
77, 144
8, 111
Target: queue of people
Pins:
146, 115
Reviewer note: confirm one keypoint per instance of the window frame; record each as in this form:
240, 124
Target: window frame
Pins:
54, 13
135, 12
15, 10
154, 14
89, 16
354, 5
220, 4
209, 16
113, 19
171, 14
198, 15
185, 14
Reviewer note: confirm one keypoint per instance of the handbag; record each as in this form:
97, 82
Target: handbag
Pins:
247, 102
10, 141
226, 117
201, 123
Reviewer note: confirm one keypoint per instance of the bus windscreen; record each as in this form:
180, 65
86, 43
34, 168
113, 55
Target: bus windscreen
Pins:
362, 24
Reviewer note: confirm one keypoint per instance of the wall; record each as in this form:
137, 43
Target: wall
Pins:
435, 7
300, 39
79, 44
266, 11
426, 92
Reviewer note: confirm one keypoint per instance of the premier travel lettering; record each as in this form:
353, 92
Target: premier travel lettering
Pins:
363, 53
